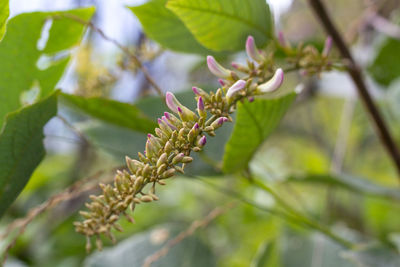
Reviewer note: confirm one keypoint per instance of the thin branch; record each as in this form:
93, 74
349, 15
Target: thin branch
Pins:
355, 73
84, 139
188, 232
136, 60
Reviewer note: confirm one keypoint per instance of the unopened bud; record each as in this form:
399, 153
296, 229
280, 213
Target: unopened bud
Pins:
216, 68
218, 122
169, 173
252, 50
162, 159
146, 198
235, 89
187, 159
178, 158
202, 141
273, 84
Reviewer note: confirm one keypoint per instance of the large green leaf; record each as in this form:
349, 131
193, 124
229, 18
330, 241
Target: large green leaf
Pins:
349, 182
254, 122
20, 53
190, 252
114, 112
21, 147
163, 26
4, 12
223, 25
385, 68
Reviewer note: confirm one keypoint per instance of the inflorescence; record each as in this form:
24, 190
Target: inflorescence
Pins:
179, 133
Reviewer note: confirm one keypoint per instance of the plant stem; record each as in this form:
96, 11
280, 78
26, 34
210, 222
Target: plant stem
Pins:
297, 216
355, 73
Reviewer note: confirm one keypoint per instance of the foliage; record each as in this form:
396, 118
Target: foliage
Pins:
286, 178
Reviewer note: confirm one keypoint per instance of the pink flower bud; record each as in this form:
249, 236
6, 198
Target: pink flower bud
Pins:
252, 50
216, 68
327, 47
172, 102
174, 105
221, 82
281, 39
196, 126
273, 84
218, 122
167, 115
235, 88
202, 141
200, 104
166, 122
196, 90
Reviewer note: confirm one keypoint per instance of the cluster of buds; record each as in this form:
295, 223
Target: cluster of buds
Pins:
307, 58
179, 133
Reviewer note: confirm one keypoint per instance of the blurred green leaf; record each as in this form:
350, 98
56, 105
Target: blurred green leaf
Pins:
115, 140
190, 252
349, 182
374, 256
264, 254
385, 68
111, 111
163, 26
254, 123
21, 147
4, 12
223, 25
20, 54
393, 98
311, 250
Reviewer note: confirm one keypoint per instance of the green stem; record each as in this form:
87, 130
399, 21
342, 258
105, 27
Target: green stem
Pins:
302, 218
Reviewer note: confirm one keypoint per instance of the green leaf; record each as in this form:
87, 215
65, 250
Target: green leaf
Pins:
19, 54
4, 12
21, 147
385, 68
349, 182
114, 112
264, 254
163, 26
223, 25
254, 123
189, 252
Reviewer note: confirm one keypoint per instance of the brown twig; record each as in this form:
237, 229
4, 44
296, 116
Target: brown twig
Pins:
71, 192
136, 60
188, 232
355, 73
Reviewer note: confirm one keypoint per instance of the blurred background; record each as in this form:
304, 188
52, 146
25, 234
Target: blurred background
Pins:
326, 133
